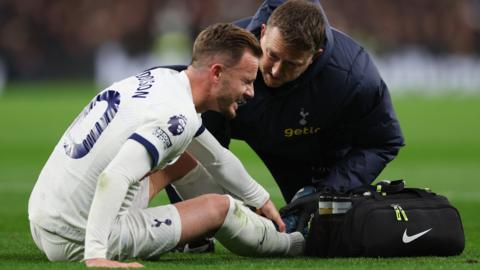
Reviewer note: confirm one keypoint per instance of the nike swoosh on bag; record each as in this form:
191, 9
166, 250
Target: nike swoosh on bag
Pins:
407, 239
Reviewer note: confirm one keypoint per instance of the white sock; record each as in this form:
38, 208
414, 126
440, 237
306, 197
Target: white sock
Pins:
248, 234
197, 182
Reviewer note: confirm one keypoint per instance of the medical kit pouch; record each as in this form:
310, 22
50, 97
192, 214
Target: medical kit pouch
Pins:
383, 220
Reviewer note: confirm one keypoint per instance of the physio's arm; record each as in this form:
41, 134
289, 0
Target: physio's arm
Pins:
377, 140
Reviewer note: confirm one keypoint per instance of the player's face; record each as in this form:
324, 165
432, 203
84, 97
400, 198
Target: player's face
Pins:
279, 64
236, 84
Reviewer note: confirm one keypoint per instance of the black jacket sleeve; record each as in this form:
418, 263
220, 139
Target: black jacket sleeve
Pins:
372, 128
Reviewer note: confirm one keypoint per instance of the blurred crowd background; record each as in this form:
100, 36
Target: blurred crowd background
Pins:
417, 44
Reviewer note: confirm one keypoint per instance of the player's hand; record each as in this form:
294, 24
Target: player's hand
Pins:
105, 263
270, 211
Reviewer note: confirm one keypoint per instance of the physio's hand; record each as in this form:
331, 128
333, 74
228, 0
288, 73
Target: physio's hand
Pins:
270, 211
105, 263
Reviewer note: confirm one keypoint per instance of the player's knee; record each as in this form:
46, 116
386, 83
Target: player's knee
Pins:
217, 205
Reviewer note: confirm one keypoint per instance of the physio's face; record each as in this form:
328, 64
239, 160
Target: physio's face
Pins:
280, 64
236, 84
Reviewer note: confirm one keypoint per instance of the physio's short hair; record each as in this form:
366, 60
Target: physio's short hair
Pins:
224, 39
301, 24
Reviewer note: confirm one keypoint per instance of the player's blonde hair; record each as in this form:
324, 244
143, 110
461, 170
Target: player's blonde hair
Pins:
224, 39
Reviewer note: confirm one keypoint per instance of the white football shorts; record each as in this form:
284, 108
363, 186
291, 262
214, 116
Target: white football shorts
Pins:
143, 233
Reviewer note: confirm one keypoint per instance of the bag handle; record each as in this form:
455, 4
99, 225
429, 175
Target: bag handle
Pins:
381, 189
384, 186
390, 187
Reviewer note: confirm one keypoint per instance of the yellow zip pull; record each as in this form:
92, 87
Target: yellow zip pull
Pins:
403, 213
397, 211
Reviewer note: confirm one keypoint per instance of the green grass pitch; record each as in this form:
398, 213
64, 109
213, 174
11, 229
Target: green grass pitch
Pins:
443, 153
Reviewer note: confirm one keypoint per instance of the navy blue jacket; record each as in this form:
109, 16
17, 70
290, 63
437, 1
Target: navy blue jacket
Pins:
334, 125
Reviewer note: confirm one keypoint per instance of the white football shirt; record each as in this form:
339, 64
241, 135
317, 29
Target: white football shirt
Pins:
154, 108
